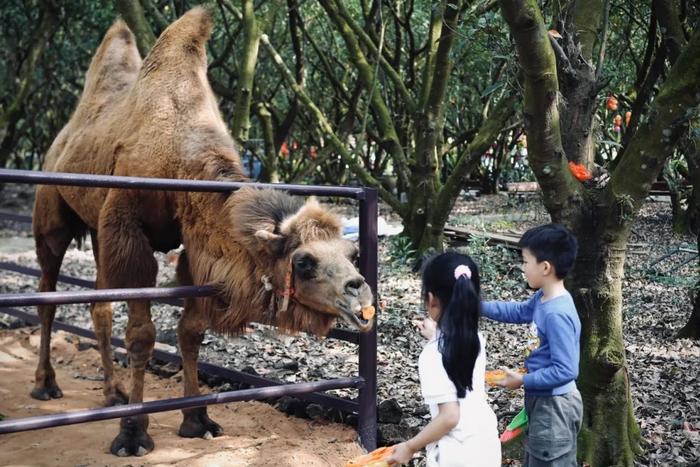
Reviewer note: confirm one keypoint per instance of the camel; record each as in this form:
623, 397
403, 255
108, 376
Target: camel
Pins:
274, 258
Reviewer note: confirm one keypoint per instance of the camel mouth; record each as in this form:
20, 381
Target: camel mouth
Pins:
353, 316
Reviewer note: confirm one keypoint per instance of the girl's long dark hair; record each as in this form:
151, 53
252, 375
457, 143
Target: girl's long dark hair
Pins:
460, 301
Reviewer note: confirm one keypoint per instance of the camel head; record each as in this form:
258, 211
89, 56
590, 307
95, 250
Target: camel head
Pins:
313, 278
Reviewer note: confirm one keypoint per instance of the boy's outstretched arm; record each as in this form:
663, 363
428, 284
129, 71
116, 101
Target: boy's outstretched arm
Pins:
564, 350
510, 312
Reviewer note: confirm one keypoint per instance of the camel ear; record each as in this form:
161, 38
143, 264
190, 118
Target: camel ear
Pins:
267, 235
273, 243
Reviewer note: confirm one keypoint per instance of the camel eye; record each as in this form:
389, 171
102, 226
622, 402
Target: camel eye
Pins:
305, 265
355, 258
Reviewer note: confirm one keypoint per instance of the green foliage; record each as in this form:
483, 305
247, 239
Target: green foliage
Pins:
58, 79
401, 251
499, 266
501, 225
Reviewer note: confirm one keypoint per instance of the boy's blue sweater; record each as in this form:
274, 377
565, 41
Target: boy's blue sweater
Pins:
554, 342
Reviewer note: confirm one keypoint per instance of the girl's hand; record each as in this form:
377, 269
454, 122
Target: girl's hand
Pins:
401, 455
426, 328
511, 380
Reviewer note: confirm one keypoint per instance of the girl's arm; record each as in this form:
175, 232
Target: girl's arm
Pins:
447, 419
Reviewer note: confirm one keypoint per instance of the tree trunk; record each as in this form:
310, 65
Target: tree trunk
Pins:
679, 216
601, 219
609, 434
246, 73
578, 82
692, 153
269, 160
430, 120
132, 12
691, 329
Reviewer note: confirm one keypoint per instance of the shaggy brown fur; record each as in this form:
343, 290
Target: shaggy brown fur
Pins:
161, 119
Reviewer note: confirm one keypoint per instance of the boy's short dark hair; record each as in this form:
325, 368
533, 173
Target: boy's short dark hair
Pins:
554, 243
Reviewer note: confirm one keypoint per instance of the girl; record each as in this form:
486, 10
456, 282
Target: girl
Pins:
463, 430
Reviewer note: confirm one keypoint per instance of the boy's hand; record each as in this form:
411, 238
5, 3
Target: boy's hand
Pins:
511, 380
401, 455
426, 328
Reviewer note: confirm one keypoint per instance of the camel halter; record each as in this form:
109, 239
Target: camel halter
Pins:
289, 291
287, 294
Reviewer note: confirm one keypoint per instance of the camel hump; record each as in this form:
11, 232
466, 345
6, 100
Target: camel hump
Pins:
182, 42
114, 67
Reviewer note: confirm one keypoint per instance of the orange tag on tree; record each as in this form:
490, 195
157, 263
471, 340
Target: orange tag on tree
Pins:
579, 171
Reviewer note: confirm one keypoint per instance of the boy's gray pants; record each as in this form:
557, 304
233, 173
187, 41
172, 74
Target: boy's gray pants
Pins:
554, 423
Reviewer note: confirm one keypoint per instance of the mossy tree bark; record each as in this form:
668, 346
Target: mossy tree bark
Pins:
240, 124
580, 26
601, 217
133, 14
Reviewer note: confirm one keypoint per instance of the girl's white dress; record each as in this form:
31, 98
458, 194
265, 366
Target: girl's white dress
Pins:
474, 441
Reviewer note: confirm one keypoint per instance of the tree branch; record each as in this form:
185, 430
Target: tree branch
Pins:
391, 72
390, 140
327, 130
671, 27
487, 133
676, 103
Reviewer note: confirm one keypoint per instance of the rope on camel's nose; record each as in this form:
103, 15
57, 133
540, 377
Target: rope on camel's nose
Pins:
288, 289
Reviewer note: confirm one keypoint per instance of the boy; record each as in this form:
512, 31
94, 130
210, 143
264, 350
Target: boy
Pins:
552, 401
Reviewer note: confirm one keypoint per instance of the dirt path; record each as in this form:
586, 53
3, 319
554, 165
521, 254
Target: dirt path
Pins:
255, 433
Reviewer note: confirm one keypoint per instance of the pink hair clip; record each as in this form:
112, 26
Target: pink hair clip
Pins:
463, 270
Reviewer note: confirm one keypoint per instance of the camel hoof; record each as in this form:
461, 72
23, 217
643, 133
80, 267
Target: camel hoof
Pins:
133, 439
197, 424
45, 393
116, 397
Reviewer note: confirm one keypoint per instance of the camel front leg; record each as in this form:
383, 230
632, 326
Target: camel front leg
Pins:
133, 438
190, 332
102, 323
126, 260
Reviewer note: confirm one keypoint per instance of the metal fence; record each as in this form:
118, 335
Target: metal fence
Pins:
366, 406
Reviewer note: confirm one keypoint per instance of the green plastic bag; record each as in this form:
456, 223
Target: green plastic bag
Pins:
515, 428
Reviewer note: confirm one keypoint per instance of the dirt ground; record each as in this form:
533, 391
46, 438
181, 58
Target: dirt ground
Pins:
255, 434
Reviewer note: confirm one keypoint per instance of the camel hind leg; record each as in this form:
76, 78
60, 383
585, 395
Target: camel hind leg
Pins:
190, 332
55, 226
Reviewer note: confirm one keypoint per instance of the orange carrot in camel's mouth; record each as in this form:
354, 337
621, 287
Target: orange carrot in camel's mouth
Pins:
368, 312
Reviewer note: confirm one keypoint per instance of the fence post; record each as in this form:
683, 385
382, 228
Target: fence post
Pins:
367, 423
